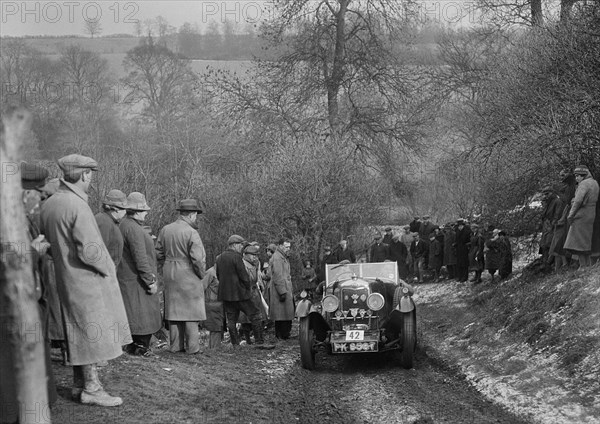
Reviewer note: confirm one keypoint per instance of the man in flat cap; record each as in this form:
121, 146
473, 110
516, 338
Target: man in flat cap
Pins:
379, 250
182, 256
387, 237
93, 309
235, 291
581, 217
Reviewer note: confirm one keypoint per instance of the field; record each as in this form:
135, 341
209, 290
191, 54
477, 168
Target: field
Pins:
114, 50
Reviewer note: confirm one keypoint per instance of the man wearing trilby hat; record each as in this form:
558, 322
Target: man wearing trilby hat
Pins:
94, 314
581, 216
137, 276
182, 254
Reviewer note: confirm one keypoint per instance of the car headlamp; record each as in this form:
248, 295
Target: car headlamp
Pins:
375, 301
330, 303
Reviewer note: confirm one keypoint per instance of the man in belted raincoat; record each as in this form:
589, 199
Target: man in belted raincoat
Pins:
181, 253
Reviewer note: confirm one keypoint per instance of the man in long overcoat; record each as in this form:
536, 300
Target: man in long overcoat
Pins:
181, 253
281, 305
398, 253
235, 291
463, 238
94, 314
137, 276
581, 216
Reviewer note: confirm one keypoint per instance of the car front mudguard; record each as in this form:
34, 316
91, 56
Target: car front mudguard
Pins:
406, 304
303, 308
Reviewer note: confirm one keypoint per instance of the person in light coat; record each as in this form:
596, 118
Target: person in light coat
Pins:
94, 314
137, 277
581, 216
181, 253
281, 305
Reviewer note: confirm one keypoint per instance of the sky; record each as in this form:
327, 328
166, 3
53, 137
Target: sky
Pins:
68, 17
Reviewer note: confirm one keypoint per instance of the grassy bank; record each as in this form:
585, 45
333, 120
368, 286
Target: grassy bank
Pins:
531, 343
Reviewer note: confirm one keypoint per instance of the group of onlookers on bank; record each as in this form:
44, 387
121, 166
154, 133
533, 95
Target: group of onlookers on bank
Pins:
423, 248
97, 280
570, 229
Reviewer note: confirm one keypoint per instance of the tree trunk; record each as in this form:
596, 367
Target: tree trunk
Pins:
23, 385
337, 70
536, 13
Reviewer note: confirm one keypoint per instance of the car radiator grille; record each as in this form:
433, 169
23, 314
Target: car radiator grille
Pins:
354, 310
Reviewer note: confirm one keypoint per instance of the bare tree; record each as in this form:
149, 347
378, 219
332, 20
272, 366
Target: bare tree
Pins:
92, 27
161, 79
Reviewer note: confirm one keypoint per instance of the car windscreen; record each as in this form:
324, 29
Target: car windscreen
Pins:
381, 270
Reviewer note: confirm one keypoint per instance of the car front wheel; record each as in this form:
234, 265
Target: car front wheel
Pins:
307, 339
409, 339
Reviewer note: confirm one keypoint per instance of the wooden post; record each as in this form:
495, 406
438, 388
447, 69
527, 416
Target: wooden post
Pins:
23, 381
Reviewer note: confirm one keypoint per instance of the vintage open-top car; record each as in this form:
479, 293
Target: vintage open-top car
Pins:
365, 307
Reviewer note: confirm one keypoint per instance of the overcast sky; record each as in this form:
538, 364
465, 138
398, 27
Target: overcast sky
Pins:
66, 17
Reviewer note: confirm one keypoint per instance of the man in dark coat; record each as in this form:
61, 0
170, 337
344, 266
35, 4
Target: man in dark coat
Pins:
415, 225
181, 253
450, 250
379, 251
551, 214
436, 253
494, 248
561, 229
113, 211
426, 228
387, 238
137, 277
235, 290
327, 259
344, 253
476, 254
463, 238
399, 253
419, 250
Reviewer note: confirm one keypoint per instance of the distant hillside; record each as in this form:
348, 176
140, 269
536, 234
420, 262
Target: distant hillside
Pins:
103, 45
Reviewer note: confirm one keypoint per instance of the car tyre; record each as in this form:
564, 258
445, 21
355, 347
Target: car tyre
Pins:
409, 339
307, 339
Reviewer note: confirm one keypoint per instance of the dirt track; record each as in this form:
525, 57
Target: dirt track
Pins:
253, 386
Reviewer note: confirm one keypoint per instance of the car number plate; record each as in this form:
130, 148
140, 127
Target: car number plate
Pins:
354, 335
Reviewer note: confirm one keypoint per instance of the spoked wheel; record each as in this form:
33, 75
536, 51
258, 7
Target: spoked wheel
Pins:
409, 339
307, 339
